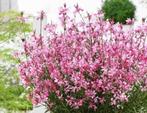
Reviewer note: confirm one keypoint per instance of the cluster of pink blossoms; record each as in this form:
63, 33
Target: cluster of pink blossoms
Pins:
91, 56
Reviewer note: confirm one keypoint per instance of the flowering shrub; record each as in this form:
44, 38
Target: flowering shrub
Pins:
119, 10
92, 63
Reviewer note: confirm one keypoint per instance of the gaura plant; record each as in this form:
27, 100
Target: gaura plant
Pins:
91, 65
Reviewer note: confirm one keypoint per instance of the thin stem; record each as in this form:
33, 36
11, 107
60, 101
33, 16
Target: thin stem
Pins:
41, 27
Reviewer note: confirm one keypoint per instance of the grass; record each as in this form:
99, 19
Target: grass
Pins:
12, 98
12, 94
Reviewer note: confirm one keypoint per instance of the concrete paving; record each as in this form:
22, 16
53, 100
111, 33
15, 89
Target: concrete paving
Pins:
38, 109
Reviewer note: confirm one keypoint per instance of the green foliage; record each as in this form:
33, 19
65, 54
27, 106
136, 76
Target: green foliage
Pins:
9, 76
60, 107
137, 104
10, 98
118, 10
12, 93
6, 55
11, 25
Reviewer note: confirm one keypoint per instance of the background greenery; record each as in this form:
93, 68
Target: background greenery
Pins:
118, 10
12, 93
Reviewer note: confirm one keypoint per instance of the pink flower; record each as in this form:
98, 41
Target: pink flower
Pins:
41, 15
130, 21
63, 10
50, 28
78, 9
